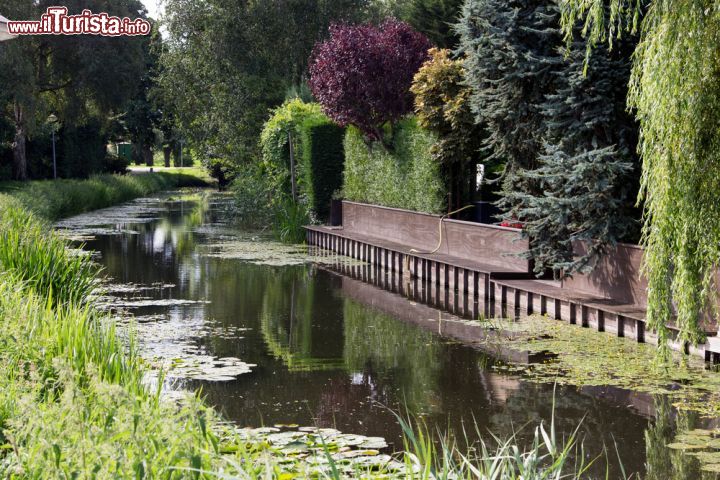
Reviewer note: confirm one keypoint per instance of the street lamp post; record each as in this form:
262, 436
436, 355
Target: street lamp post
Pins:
4, 34
52, 119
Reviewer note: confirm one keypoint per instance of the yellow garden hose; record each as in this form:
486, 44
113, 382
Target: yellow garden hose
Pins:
440, 223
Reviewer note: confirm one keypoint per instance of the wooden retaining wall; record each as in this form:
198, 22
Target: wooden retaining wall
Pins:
477, 266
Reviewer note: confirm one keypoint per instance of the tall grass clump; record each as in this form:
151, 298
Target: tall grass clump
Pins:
290, 220
72, 399
41, 260
548, 457
55, 199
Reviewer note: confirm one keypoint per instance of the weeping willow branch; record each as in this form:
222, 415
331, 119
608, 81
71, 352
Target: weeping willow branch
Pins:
675, 92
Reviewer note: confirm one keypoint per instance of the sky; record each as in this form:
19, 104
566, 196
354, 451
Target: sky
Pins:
153, 7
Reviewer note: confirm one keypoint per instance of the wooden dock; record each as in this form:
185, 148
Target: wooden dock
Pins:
477, 273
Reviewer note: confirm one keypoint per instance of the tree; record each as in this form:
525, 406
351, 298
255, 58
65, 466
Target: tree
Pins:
143, 117
675, 90
509, 49
442, 104
587, 173
362, 74
226, 64
435, 19
66, 75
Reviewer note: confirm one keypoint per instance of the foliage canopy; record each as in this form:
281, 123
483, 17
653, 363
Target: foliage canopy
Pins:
442, 105
676, 93
362, 74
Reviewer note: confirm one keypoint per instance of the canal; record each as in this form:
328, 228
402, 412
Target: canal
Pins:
276, 335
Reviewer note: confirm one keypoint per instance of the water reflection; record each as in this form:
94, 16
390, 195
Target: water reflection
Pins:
292, 323
335, 352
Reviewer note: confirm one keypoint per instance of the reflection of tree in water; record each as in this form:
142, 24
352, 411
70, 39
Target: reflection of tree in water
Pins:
185, 237
665, 463
379, 345
292, 322
360, 401
601, 424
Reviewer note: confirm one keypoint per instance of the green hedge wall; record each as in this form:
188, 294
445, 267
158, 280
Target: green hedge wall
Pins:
318, 146
403, 176
322, 163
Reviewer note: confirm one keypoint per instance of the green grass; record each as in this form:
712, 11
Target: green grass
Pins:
40, 260
72, 402
55, 199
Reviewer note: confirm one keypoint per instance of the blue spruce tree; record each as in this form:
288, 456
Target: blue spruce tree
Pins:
510, 51
566, 138
587, 174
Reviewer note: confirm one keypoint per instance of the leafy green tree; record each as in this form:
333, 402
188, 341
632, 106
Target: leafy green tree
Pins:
143, 117
70, 76
435, 19
675, 90
442, 104
225, 64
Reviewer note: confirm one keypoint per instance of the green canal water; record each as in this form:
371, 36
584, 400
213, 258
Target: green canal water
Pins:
273, 336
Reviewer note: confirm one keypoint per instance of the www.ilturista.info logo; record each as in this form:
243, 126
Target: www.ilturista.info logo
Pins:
57, 22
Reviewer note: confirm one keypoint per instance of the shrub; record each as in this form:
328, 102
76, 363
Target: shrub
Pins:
116, 164
362, 74
290, 219
322, 163
405, 177
81, 150
254, 196
442, 105
319, 157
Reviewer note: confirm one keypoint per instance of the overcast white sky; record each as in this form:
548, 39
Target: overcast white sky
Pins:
154, 7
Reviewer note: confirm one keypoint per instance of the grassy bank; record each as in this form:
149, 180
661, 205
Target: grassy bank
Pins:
55, 199
73, 403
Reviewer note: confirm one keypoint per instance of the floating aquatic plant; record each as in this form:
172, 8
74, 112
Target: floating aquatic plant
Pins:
262, 250
584, 358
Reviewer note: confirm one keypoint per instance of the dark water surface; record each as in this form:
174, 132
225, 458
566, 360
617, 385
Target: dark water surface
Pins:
324, 357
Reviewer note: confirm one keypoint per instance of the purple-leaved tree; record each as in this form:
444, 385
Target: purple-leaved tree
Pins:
362, 74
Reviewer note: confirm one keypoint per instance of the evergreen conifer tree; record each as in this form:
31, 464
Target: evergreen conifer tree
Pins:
569, 143
510, 51
435, 19
587, 176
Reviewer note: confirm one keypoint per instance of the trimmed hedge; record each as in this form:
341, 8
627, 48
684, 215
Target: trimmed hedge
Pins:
404, 176
318, 145
323, 161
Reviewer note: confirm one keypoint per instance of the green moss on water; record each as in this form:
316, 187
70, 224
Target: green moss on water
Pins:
581, 357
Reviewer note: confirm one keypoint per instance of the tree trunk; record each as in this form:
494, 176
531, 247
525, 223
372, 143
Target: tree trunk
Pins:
167, 150
19, 145
147, 156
